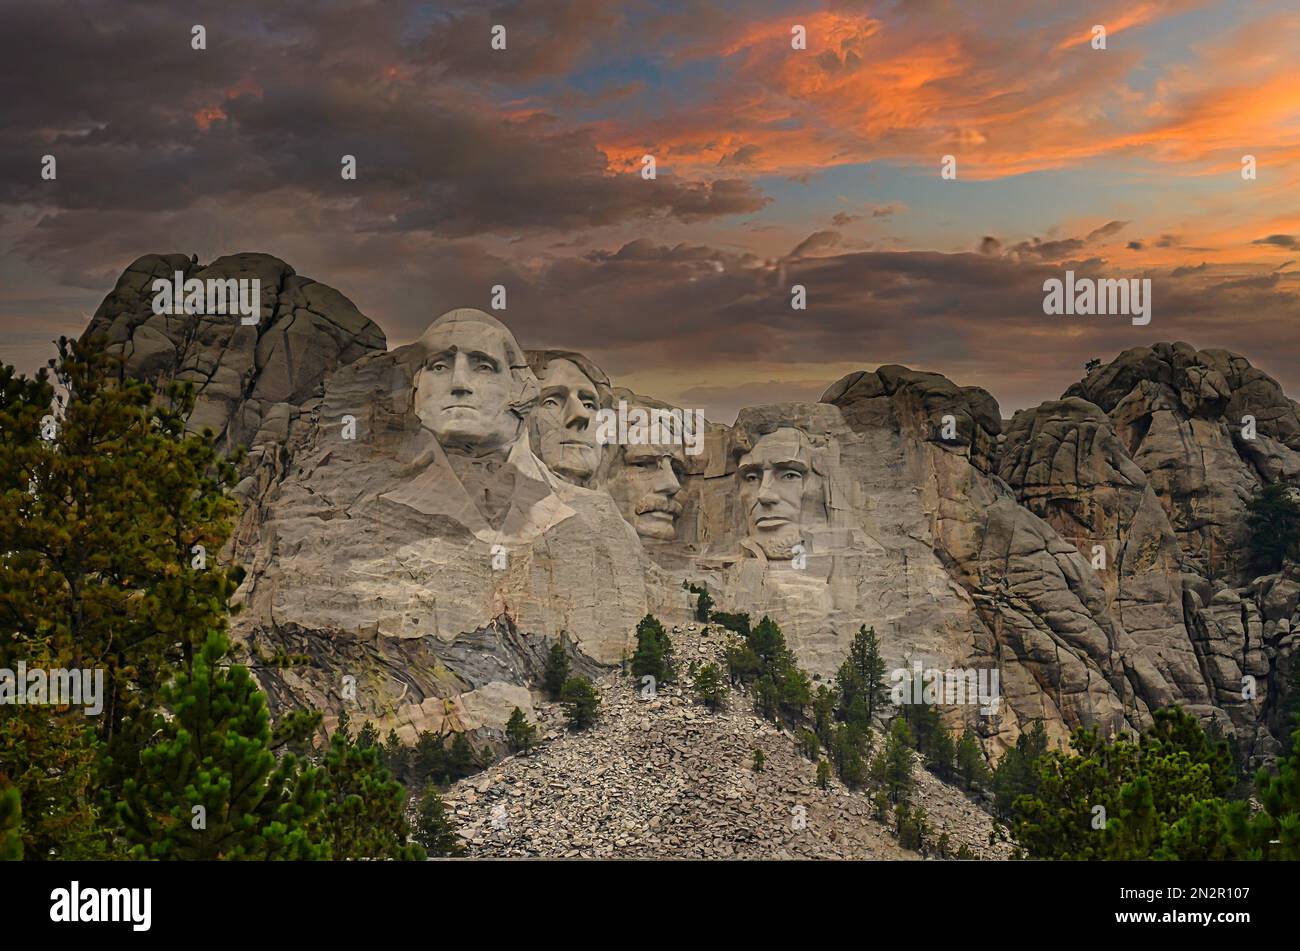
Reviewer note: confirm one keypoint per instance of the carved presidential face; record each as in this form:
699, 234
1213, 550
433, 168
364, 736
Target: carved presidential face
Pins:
565, 422
773, 478
468, 388
645, 485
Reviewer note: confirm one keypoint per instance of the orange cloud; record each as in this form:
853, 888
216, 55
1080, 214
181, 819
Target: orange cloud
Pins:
1005, 104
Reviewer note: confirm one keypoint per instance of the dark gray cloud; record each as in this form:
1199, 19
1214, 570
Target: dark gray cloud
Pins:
139, 121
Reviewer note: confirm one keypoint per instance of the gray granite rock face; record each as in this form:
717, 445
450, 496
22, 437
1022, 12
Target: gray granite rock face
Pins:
1088, 549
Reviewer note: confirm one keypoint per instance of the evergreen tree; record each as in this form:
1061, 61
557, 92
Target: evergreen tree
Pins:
1273, 527
556, 671
861, 679
743, 665
520, 734
364, 816
824, 703
209, 785
768, 643
737, 623
893, 766
1274, 832
11, 822
823, 774
759, 761
806, 740
971, 768
654, 651
461, 761
710, 686
581, 701
435, 828
851, 751
367, 736
1015, 774
429, 758
1118, 799
100, 527
53, 758
703, 605
924, 721
397, 756
941, 754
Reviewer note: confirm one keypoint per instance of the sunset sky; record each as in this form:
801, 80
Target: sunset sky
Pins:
775, 166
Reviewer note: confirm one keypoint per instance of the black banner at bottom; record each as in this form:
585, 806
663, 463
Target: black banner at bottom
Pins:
154, 901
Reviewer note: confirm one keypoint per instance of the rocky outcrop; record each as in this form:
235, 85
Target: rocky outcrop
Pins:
1089, 549
1185, 418
250, 378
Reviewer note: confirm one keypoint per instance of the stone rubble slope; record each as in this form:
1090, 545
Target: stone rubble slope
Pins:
665, 777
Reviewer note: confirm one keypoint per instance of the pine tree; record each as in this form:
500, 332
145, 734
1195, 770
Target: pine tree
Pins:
861, 679
743, 665
435, 829
823, 774
367, 736
556, 671
893, 766
1016, 774
11, 820
654, 652
939, 757
581, 701
737, 623
759, 761
397, 756
824, 703
1274, 833
710, 686
110, 530
703, 605
429, 758
851, 751
520, 734
364, 814
209, 785
1273, 527
461, 761
1114, 798
971, 768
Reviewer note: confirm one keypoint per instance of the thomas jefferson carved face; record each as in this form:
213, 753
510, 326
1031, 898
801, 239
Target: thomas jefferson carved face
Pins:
565, 421
773, 478
472, 389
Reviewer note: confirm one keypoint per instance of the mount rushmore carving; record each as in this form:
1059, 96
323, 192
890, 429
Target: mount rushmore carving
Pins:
428, 520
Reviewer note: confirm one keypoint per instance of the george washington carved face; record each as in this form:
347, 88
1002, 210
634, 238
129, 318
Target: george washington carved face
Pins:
472, 387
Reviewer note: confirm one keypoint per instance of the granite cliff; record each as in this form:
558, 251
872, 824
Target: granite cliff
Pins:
420, 524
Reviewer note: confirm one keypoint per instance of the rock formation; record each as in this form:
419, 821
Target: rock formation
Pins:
421, 524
